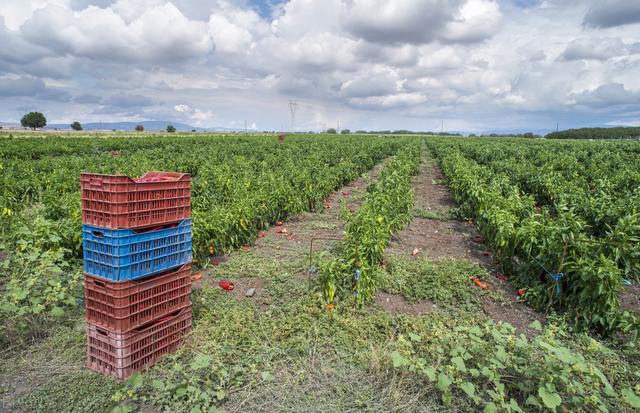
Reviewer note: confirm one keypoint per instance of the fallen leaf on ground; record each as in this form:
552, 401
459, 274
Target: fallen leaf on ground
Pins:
196, 277
415, 252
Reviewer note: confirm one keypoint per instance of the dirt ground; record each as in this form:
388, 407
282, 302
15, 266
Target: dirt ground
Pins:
396, 304
446, 238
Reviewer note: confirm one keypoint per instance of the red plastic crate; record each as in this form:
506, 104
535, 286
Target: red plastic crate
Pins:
117, 201
124, 306
122, 354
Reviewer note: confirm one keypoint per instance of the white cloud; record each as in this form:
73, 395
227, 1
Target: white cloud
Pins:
371, 63
195, 116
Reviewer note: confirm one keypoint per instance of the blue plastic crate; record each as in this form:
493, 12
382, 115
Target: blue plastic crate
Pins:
124, 254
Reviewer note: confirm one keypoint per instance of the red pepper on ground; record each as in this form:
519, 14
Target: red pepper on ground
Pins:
479, 283
226, 285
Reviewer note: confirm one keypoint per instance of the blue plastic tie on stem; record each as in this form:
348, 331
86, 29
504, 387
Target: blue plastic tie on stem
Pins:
554, 277
357, 277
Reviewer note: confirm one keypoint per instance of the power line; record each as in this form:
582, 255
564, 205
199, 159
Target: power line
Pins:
293, 105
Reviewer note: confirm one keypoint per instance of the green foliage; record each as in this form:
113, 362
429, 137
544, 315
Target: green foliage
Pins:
33, 120
597, 133
139, 128
490, 367
537, 204
331, 130
445, 282
38, 279
345, 131
385, 211
76, 126
171, 129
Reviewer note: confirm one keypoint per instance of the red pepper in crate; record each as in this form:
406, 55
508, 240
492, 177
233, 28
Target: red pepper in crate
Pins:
226, 285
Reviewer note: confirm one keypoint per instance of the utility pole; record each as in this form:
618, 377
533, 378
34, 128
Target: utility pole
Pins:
442, 127
293, 105
338, 126
557, 124
245, 126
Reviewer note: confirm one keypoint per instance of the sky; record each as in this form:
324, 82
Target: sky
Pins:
463, 65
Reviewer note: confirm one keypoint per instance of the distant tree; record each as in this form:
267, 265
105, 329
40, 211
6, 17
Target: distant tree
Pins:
360, 131
193, 130
139, 128
76, 126
33, 120
331, 130
345, 131
472, 135
171, 129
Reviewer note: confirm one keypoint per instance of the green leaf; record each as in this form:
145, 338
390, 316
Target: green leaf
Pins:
490, 408
459, 363
398, 359
468, 388
135, 380
181, 391
536, 325
158, 384
431, 373
532, 401
195, 409
550, 399
415, 337
123, 408
221, 394
201, 361
444, 381
266, 376
630, 397
564, 354
57, 311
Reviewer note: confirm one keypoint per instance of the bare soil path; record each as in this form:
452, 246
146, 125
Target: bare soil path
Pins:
443, 238
284, 249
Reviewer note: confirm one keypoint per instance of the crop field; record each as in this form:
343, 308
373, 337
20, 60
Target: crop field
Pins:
446, 275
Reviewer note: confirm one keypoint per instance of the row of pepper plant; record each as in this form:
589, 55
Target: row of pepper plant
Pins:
387, 208
545, 221
240, 185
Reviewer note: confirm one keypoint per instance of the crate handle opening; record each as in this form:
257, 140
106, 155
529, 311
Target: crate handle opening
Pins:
95, 182
102, 332
99, 283
98, 234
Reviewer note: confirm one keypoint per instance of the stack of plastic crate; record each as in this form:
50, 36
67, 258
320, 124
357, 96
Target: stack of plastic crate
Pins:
137, 263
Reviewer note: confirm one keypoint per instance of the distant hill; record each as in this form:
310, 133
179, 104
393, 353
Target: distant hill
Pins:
149, 125
597, 133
